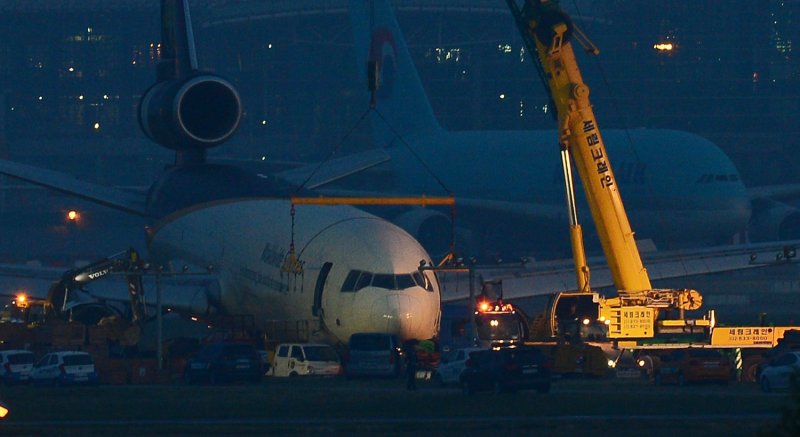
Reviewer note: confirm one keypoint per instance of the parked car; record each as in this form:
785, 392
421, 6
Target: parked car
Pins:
300, 359
452, 364
374, 354
683, 366
224, 362
65, 367
507, 369
16, 366
779, 372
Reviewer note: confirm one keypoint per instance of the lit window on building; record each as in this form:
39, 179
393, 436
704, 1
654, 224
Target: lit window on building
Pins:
444, 55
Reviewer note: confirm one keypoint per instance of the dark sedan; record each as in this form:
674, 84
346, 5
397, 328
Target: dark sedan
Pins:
225, 362
507, 369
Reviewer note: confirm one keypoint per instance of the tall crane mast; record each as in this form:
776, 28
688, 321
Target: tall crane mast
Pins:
548, 32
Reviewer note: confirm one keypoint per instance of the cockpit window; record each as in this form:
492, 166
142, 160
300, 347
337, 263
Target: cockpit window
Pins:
429, 281
404, 281
364, 280
384, 281
710, 178
358, 279
350, 280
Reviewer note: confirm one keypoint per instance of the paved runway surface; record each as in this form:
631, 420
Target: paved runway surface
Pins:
338, 406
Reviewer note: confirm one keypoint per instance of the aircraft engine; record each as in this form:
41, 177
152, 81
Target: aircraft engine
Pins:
431, 228
195, 113
773, 221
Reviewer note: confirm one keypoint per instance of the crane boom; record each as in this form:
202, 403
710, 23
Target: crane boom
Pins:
550, 29
547, 32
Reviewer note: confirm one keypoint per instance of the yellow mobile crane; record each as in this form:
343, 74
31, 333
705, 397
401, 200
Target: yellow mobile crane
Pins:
639, 313
633, 313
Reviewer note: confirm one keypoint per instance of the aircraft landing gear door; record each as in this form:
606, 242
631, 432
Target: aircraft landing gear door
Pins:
321, 279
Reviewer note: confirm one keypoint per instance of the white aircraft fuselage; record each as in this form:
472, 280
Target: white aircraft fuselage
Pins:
246, 241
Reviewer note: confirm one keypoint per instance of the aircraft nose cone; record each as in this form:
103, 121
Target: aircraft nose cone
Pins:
402, 317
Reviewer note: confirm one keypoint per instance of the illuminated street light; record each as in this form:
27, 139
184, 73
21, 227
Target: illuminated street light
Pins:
664, 47
73, 215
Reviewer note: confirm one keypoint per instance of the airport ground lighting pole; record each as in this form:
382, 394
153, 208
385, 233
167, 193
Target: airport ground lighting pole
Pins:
159, 323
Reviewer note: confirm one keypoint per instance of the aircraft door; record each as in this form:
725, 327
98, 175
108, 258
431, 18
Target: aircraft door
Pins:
319, 288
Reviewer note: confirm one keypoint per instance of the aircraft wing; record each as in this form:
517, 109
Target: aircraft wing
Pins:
775, 192
65, 183
542, 278
317, 175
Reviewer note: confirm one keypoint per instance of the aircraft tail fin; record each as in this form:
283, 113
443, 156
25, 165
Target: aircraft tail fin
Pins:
386, 67
179, 57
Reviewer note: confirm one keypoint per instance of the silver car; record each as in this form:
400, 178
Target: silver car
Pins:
778, 373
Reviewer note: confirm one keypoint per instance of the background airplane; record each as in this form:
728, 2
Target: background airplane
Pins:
509, 185
328, 271
241, 248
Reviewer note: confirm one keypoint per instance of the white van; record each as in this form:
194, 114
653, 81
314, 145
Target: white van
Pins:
301, 359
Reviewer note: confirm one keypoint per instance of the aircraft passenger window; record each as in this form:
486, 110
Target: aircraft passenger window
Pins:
383, 280
350, 281
364, 280
405, 281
